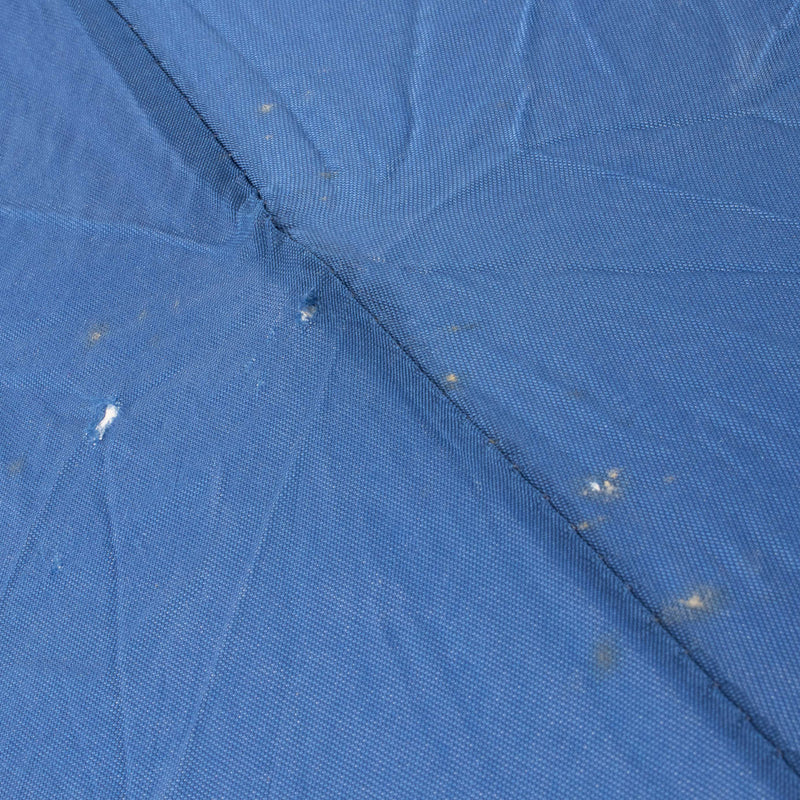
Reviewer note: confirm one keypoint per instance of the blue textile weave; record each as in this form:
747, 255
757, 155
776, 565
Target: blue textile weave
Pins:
399, 400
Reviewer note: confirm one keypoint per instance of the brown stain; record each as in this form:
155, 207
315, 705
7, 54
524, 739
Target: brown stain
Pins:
329, 175
95, 334
669, 479
590, 524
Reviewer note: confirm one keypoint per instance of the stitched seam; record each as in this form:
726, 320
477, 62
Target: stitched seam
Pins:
715, 685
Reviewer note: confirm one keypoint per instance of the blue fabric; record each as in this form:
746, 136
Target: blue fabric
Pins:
399, 400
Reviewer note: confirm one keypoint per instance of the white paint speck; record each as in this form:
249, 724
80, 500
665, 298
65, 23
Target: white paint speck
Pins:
605, 488
307, 313
308, 309
109, 416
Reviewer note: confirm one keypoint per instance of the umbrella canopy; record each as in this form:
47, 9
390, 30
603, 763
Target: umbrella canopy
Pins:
399, 400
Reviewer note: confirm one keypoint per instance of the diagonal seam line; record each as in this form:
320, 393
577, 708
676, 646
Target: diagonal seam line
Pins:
636, 595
